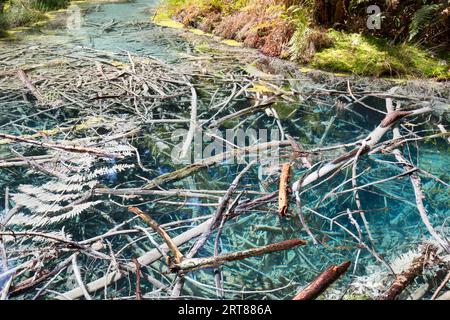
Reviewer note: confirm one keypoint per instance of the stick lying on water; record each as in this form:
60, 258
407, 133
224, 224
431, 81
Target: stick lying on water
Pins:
322, 282
68, 148
199, 263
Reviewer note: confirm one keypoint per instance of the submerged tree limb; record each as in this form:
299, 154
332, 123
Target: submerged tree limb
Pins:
214, 160
322, 282
370, 141
209, 262
417, 187
406, 277
178, 256
143, 260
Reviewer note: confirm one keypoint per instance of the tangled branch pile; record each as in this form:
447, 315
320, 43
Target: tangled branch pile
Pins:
93, 197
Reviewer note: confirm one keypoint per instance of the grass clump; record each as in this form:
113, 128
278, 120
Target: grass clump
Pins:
17, 13
364, 55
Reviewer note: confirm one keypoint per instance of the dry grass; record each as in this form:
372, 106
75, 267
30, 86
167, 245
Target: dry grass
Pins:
260, 24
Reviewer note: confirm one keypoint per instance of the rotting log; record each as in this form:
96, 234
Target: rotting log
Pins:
322, 282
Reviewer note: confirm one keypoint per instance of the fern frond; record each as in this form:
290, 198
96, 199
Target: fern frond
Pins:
421, 18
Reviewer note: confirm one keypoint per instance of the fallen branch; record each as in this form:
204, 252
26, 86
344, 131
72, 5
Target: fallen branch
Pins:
178, 256
138, 279
322, 282
369, 142
214, 160
209, 262
68, 148
417, 187
26, 81
143, 260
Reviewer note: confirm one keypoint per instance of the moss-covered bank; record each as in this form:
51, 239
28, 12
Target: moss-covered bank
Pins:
17, 13
290, 29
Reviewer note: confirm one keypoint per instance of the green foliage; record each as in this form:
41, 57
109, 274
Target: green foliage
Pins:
365, 55
47, 5
301, 18
19, 13
421, 19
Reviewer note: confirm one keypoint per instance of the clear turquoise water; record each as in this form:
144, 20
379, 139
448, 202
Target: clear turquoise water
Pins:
391, 213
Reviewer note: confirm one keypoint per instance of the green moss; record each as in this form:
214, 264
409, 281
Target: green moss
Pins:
364, 55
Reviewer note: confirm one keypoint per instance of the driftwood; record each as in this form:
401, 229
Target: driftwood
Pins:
138, 279
198, 263
322, 282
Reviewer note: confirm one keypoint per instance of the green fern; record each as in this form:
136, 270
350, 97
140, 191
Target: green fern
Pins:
421, 18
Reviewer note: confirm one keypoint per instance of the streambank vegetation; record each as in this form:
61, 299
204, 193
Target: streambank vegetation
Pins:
17, 13
413, 38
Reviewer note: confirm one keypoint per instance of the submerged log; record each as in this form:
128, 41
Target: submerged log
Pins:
322, 282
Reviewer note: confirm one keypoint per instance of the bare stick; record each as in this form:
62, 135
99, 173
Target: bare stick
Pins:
417, 186
26, 81
214, 160
138, 279
68, 148
283, 192
441, 286
144, 260
77, 273
372, 139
